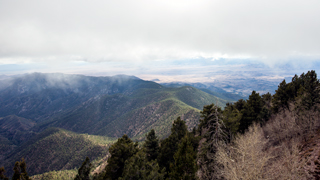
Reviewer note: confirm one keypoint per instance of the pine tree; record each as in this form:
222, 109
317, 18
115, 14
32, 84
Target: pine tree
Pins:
169, 146
252, 112
179, 128
312, 90
2, 174
184, 166
138, 167
16, 170
280, 98
120, 151
231, 119
20, 171
84, 170
151, 145
213, 132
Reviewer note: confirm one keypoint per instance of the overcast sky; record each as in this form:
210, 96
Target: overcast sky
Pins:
77, 36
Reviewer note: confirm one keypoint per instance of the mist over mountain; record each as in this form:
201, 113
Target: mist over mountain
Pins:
88, 104
32, 104
179, 77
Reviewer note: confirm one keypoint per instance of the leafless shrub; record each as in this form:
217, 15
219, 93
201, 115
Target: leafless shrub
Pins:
288, 163
291, 123
274, 151
281, 127
249, 157
245, 158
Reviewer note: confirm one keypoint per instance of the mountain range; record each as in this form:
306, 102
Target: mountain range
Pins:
54, 120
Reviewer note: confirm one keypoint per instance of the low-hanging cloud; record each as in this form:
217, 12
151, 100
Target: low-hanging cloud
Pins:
144, 30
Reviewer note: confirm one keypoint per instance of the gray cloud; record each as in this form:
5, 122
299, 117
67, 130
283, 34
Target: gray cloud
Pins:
95, 31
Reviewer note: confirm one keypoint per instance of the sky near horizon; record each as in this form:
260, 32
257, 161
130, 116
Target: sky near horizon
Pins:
156, 38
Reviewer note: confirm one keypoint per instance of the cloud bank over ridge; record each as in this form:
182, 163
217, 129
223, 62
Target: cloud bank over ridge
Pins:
141, 31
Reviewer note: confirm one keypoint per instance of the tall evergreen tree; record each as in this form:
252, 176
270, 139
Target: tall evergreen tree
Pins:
120, 151
151, 145
280, 98
20, 171
84, 170
169, 146
179, 128
252, 111
214, 133
184, 166
138, 167
231, 119
2, 174
311, 95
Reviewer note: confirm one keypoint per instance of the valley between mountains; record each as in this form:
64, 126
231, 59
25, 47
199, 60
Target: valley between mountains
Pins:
54, 121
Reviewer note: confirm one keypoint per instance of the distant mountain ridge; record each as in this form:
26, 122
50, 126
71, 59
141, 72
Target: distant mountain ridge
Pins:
37, 110
87, 104
208, 88
37, 96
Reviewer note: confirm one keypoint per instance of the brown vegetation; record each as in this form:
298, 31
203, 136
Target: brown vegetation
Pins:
244, 158
286, 147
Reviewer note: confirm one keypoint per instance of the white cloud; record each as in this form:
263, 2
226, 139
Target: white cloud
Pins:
143, 30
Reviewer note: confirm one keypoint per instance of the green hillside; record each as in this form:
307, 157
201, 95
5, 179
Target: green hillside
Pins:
209, 88
57, 149
54, 120
14, 130
40, 96
136, 113
56, 175
99, 105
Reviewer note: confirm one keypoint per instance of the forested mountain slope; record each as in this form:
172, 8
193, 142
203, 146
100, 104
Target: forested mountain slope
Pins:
57, 149
135, 114
14, 130
100, 105
39, 96
46, 118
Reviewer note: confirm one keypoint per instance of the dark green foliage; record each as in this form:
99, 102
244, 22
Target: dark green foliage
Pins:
84, 170
2, 174
239, 116
151, 145
310, 92
138, 167
213, 131
120, 151
231, 119
280, 98
170, 145
267, 98
252, 112
205, 115
305, 87
179, 129
240, 104
209, 115
184, 166
20, 171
